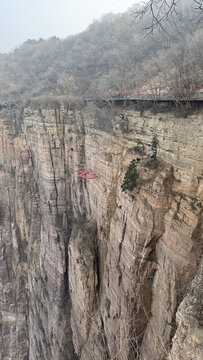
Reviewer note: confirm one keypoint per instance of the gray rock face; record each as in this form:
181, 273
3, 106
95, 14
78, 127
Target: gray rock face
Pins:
87, 268
187, 342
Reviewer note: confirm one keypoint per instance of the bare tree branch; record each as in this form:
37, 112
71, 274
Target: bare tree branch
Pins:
161, 10
200, 4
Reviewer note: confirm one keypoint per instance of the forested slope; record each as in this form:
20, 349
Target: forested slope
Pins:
113, 53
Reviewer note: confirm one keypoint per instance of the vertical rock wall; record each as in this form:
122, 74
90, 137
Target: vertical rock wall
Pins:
35, 232
80, 259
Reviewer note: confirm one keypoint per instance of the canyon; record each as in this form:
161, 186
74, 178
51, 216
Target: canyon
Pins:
88, 271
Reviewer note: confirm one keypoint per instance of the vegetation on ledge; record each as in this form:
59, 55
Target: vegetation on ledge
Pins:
131, 176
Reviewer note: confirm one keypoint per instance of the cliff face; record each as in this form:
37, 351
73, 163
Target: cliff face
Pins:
117, 273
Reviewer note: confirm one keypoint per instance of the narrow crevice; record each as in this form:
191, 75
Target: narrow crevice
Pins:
103, 340
121, 242
54, 174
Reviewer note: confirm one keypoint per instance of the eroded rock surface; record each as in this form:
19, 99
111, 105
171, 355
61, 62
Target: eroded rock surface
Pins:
129, 263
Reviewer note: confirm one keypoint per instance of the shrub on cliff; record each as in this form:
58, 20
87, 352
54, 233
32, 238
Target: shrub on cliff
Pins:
124, 124
154, 146
74, 356
139, 147
131, 176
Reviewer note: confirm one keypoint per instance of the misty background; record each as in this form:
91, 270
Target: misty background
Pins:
112, 53
27, 19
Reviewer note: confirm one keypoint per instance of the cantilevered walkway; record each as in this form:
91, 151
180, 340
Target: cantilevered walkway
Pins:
197, 97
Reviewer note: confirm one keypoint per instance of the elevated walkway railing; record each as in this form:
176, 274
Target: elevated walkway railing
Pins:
147, 97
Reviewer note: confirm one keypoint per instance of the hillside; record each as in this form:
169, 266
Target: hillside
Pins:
112, 53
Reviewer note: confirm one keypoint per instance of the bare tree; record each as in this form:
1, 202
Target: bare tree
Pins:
161, 10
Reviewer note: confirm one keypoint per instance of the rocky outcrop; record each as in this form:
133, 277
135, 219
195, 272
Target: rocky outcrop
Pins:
187, 342
85, 266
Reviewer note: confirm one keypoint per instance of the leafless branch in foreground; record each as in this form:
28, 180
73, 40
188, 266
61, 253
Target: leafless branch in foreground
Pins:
161, 10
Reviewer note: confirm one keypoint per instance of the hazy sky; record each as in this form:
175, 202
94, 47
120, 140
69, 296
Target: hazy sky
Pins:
31, 19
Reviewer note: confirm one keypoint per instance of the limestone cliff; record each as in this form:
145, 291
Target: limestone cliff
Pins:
88, 269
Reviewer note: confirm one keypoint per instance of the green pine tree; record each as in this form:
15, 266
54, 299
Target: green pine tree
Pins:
131, 177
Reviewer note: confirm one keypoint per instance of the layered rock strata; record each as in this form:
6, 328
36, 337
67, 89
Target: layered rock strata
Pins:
86, 268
